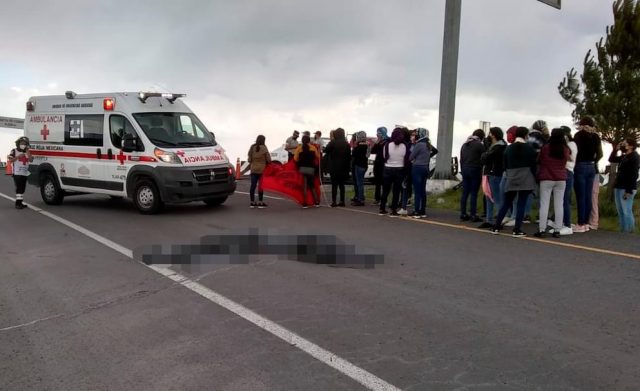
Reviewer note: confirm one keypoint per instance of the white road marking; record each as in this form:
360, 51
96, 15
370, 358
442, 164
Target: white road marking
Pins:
356, 373
266, 196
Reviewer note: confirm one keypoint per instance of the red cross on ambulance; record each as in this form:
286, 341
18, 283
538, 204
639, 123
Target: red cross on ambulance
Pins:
44, 132
121, 157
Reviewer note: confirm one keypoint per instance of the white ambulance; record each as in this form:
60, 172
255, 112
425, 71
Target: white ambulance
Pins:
148, 147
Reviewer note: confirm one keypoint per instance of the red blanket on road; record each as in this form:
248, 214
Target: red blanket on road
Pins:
285, 179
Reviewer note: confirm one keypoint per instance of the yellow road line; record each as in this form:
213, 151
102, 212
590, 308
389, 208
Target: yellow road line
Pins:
533, 239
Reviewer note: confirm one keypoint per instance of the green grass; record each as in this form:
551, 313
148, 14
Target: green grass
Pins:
450, 200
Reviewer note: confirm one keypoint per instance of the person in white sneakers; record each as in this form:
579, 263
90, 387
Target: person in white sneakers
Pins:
552, 174
20, 157
568, 190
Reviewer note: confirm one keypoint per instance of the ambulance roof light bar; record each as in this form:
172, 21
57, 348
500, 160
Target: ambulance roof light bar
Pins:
70, 94
143, 96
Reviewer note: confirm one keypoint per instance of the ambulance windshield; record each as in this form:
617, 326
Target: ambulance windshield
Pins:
182, 130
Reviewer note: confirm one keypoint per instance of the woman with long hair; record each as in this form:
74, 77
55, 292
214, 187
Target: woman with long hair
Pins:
258, 158
396, 155
307, 157
552, 174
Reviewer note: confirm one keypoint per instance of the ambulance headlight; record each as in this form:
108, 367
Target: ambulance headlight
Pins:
167, 157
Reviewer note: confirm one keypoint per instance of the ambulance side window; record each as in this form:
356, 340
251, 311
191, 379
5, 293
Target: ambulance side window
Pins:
85, 130
118, 127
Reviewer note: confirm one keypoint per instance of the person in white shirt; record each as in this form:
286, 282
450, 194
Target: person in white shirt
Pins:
396, 154
292, 144
571, 163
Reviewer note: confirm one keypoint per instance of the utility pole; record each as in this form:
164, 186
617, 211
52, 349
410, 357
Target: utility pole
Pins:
448, 84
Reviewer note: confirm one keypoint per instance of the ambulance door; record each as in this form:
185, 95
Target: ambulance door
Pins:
82, 169
119, 162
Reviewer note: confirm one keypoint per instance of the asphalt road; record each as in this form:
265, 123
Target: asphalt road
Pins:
451, 308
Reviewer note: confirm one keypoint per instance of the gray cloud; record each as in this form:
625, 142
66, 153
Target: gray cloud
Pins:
320, 63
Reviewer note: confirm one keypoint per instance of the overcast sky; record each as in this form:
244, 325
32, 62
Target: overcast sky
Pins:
256, 66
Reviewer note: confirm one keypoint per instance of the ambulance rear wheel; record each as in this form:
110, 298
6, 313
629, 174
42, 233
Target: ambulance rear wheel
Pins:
215, 201
50, 191
146, 197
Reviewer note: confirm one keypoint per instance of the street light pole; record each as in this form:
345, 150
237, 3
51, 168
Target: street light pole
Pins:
448, 84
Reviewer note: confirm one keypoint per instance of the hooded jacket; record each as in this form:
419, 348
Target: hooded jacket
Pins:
628, 166
471, 152
493, 159
378, 150
339, 153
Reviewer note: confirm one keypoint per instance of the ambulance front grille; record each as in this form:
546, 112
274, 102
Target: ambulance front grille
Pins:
204, 176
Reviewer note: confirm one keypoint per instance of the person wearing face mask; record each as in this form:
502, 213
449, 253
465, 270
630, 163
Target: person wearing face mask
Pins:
626, 184
493, 161
20, 157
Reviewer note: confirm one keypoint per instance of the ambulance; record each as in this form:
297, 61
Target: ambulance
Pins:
145, 146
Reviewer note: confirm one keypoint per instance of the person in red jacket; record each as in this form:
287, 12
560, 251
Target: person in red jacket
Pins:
552, 175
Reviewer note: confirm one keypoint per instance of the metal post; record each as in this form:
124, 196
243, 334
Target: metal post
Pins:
448, 83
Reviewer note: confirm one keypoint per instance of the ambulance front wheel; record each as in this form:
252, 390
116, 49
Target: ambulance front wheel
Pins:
146, 197
50, 191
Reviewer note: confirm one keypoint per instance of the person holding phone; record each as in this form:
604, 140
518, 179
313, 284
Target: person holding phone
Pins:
625, 185
20, 157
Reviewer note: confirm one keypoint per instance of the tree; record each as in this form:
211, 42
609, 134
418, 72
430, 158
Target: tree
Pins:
609, 87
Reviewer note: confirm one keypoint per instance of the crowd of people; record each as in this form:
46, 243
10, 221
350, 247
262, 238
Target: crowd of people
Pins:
514, 171
400, 167
534, 165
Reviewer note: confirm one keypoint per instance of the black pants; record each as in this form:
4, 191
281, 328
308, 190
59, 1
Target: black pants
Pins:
309, 183
255, 179
21, 183
393, 178
338, 181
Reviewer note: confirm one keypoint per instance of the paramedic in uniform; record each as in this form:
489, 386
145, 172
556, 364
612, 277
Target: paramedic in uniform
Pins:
20, 157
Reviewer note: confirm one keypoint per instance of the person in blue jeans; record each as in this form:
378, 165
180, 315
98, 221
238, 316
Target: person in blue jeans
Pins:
471, 168
520, 167
360, 158
420, 156
589, 153
626, 184
258, 158
493, 161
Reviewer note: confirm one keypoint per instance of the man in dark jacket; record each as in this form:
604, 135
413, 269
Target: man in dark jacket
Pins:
339, 154
471, 167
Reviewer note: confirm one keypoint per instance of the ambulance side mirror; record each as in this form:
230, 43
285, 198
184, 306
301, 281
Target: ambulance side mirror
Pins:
129, 143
